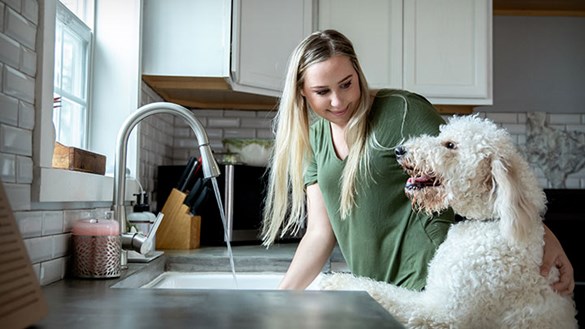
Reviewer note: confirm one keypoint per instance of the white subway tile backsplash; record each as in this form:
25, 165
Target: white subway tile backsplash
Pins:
24, 170
37, 270
8, 167
15, 140
53, 222
183, 132
185, 143
215, 133
30, 10
39, 249
255, 123
52, 271
29, 62
2, 16
30, 223
513, 128
209, 113
14, 4
8, 110
20, 29
563, 119
9, 51
572, 182
522, 118
239, 133
223, 122
239, 114
61, 245
18, 196
264, 133
71, 216
18, 85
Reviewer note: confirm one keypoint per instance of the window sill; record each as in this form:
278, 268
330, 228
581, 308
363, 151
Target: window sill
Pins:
59, 185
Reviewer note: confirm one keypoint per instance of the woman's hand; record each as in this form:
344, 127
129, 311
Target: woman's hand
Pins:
554, 255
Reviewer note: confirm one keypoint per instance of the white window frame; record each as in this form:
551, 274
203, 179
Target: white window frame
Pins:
71, 189
73, 25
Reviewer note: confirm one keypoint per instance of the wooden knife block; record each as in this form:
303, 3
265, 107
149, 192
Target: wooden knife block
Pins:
178, 229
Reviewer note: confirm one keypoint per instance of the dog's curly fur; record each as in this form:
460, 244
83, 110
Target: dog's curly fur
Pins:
487, 272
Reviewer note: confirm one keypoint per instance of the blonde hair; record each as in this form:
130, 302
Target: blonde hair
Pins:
285, 201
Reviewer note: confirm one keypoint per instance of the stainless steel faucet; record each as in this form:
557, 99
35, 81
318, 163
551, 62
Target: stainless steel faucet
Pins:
137, 241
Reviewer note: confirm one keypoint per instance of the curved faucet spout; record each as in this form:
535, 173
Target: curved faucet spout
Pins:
209, 165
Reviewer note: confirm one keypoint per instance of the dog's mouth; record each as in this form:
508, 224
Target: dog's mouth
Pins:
419, 180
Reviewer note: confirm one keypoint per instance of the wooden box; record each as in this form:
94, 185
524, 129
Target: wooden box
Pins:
72, 158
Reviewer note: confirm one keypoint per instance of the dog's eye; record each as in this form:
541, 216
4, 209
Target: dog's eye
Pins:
450, 145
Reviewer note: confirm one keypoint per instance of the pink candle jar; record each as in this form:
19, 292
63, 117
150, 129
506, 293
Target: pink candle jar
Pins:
97, 247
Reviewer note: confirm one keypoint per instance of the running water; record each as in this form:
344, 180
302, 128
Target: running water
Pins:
225, 229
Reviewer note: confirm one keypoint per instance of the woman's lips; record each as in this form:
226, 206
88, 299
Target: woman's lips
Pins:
340, 113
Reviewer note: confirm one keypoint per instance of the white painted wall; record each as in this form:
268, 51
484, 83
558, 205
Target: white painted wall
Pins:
539, 64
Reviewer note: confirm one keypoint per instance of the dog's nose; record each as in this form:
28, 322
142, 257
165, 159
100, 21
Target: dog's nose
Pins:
400, 151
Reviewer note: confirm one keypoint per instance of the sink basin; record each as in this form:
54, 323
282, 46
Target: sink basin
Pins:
220, 280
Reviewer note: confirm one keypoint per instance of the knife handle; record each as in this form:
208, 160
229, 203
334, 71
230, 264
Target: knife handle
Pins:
186, 174
202, 197
196, 190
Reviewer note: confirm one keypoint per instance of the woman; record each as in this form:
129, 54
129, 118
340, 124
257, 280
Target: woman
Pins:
334, 164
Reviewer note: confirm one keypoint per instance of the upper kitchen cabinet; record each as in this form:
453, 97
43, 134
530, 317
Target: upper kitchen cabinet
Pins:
438, 48
219, 54
186, 38
265, 32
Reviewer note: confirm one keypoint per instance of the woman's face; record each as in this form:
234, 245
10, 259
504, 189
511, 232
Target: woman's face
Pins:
332, 89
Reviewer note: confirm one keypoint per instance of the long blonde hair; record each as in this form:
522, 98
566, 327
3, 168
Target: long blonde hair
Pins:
285, 201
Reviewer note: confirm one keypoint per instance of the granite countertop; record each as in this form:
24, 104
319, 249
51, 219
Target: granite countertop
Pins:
120, 303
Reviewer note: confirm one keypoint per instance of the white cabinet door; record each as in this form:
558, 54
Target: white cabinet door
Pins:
447, 50
438, 48
375, 29
265, 33
186, 37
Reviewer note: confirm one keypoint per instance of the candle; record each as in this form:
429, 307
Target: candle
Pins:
96, 227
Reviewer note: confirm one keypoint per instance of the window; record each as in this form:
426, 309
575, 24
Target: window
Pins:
73, 40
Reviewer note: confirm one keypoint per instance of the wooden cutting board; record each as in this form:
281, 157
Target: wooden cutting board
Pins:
72, 158
178, 229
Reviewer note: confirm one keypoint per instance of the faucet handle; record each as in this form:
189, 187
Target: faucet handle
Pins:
139, 242
147, 245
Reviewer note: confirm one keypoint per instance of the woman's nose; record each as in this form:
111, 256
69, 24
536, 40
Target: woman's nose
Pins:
336, 100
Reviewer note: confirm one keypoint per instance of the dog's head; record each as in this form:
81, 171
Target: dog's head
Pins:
473, 167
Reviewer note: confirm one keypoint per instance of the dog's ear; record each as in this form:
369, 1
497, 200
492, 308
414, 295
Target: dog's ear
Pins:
511, 204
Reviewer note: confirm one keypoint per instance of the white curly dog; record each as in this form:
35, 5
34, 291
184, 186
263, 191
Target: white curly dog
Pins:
486, 274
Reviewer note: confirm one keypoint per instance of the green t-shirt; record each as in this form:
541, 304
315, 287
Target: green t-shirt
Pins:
384, 238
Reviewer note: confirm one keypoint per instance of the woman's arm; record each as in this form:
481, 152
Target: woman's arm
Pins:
315, 246
554, 255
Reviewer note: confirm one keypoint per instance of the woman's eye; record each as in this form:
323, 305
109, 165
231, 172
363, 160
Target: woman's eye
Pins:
321, 92
346, 85
450, 145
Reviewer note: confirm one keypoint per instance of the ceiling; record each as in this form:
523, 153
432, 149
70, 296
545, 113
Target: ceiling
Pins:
539, 7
